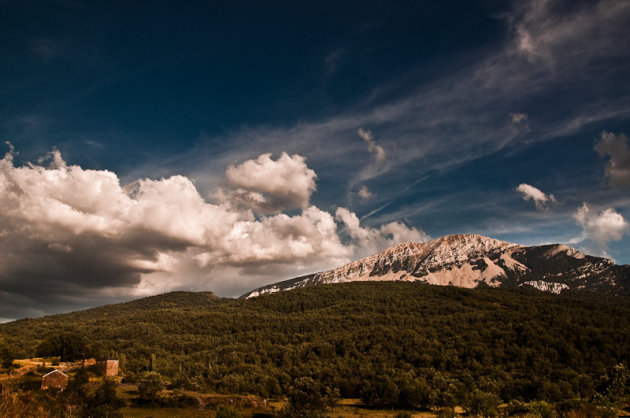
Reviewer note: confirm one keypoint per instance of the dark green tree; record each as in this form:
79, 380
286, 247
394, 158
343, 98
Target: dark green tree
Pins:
68, 346
380, 390
7, 358
309, 399
149, 386
484, 404
614, 384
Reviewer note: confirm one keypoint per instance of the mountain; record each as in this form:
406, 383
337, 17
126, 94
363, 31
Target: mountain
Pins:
470, 260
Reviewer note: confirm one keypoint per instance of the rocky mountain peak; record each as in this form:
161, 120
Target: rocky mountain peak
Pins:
461, 247
471, 260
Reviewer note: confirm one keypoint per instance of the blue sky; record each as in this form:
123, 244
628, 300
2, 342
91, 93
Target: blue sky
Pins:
399, 120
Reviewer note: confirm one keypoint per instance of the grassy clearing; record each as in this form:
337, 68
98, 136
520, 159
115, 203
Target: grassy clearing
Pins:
165, 412
346, 408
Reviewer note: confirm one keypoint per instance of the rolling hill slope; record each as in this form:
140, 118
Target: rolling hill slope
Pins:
441, 341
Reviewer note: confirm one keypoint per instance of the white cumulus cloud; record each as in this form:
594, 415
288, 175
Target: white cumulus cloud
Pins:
365, 193
270, 186
371, 240
603, 227
540, 199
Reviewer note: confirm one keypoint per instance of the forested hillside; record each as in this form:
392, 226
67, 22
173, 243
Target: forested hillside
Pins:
389, 343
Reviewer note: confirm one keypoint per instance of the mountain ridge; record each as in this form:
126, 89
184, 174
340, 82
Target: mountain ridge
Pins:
473, 260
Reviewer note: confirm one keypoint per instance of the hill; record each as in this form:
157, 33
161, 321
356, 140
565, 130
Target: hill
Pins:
391, 343
180, 301
470, 260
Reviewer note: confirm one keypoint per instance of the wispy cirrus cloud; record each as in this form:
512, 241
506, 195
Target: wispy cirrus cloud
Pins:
459, 117
548, 30
373, 147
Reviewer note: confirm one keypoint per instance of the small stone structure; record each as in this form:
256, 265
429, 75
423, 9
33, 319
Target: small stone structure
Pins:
107, 367
55, 379
89, 362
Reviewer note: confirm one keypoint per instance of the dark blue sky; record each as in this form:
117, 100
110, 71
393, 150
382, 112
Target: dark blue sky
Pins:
150, 78
466, 101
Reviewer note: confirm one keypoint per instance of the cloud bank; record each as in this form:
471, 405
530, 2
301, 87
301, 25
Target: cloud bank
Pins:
71, 236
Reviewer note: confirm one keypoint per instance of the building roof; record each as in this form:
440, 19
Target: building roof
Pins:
55, 371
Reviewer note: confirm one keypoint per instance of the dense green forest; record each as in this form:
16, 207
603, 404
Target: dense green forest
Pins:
402, 344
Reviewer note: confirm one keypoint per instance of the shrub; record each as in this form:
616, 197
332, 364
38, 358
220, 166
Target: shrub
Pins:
446, 413
227, 412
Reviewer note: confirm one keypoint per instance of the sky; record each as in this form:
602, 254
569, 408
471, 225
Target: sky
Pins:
158, 146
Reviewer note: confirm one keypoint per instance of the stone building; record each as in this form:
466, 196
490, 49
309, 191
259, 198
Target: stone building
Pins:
107, 367
55, 379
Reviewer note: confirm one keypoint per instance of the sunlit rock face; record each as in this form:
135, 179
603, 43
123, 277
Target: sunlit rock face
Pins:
470, 260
